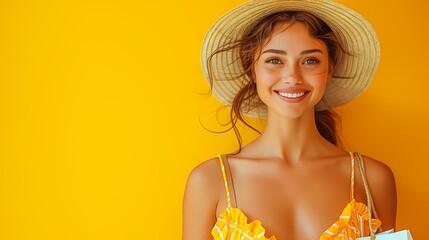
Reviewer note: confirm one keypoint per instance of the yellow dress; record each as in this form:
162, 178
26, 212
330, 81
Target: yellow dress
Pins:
353, 223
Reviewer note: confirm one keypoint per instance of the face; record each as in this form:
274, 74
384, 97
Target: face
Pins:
292, 71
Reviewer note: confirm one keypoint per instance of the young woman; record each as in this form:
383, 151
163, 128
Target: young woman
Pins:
289, 61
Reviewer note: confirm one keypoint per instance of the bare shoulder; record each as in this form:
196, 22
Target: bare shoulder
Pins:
206, 175
378, 172
383, 189
200, 200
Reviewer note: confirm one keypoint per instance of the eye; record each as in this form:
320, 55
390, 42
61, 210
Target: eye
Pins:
274, 61
311, 61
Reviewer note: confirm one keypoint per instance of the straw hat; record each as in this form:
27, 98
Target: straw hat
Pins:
353, 32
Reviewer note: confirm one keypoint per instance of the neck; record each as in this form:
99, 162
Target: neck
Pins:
291, 139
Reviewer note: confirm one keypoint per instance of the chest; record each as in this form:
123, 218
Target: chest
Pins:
292, 204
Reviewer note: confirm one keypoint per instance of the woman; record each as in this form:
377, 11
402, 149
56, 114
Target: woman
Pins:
289, 61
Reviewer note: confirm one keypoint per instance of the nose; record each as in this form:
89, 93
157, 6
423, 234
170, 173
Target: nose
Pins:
292, 75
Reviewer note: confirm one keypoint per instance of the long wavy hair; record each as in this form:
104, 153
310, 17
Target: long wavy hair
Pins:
249, 47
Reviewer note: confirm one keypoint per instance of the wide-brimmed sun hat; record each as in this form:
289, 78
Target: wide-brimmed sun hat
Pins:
355, 34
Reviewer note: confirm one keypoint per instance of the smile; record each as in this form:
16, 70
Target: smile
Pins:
291, 95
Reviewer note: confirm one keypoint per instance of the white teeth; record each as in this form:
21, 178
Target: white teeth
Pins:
291, 95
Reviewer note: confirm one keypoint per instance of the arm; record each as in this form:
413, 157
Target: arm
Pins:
383, 190
200, 201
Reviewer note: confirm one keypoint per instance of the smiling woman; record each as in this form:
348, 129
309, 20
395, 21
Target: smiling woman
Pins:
290, 62
100, 102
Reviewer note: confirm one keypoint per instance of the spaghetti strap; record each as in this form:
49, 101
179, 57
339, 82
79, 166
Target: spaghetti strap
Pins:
352, 177
225, 180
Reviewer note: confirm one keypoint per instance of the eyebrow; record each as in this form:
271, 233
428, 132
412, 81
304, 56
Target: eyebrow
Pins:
277, 51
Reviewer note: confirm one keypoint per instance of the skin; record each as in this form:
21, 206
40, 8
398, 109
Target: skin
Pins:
290, 178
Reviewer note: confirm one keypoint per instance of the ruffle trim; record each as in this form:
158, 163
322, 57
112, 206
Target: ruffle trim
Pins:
232, 224
353, 223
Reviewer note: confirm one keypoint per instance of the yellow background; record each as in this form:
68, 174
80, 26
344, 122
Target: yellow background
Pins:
100, 103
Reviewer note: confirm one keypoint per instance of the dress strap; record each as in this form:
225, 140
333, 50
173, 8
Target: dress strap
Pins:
352, 177
225, 180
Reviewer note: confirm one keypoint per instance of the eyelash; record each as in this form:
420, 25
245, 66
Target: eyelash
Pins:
278, 61
309, 61
313, 60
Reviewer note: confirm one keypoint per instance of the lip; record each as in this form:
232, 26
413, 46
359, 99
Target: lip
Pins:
296, 92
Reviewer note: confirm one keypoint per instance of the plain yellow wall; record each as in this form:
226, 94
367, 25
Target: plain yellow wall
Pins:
100, 104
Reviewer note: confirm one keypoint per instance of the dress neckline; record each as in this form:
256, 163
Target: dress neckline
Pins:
238, 220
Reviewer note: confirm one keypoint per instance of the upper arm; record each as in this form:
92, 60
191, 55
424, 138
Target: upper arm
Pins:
383, 189
200, 200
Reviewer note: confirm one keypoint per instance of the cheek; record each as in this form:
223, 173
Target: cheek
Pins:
265, 80
266, 77
319, 84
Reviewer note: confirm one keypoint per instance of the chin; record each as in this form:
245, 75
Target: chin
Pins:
291, 113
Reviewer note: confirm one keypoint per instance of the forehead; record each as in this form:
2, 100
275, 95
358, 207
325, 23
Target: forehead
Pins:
293, 36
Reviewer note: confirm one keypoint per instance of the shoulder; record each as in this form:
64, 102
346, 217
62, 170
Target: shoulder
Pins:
200, 199
205, 179
206, 173
382, 184
378, 172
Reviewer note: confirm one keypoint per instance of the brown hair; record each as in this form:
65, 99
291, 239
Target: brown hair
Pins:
248, 48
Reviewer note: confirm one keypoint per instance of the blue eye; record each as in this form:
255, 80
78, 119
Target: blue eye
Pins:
311, 61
